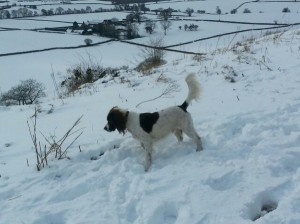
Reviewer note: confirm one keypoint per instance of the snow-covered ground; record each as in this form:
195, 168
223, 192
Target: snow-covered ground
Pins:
31, 23
32, 40
250, 130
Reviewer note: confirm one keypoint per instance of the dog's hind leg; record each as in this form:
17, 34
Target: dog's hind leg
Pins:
178, 134
148, 155
194, 135
190, 131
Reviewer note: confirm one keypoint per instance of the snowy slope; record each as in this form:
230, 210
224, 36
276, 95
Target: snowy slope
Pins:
251, 136
250, 130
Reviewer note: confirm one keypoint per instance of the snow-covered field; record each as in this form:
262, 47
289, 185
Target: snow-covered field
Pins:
248, 172
32, 40
31, 24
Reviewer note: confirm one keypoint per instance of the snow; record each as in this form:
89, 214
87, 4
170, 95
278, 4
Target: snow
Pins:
249, 168
30, 24
31, 41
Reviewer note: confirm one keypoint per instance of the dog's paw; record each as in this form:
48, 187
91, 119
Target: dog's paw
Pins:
147, 162
146, 169
199, 148
147, 166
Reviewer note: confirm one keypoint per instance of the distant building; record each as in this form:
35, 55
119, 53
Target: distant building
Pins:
107, 28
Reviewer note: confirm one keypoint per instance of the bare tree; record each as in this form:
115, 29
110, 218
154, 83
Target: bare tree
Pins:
33, 90
150, 25
59, 11
189, 11
165, 14
165, 24
218, 10
132, 30
88, 9
28, 92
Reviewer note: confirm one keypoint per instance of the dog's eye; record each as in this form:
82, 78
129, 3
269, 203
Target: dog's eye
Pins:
110, 118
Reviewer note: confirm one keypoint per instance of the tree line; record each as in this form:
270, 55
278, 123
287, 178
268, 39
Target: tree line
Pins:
26, 12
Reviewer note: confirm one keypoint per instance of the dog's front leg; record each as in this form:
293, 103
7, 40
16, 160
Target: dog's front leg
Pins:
148, 155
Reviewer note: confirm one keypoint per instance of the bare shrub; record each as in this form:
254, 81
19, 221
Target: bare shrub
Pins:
233, 11
58, 148
286, 10
200, 57
153, 55
230, 73
246, 10
88, 41
87, 70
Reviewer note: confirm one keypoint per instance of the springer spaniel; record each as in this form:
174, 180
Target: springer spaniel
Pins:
150, 127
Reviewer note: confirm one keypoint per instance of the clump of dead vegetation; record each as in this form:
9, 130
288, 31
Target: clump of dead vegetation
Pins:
51, 147
153, 56
87, 70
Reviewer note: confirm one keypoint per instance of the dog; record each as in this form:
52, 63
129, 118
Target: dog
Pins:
150, 127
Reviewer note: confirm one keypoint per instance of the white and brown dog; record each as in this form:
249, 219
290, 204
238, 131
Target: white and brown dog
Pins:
150, 127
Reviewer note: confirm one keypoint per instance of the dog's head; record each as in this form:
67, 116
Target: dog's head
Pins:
116, 119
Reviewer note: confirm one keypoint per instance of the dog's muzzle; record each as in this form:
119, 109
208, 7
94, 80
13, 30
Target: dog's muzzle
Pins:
108, 128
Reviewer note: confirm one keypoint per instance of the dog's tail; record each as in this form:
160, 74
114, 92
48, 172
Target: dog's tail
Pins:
194, 90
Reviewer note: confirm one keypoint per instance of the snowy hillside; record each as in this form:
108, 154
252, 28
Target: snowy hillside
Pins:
248, 117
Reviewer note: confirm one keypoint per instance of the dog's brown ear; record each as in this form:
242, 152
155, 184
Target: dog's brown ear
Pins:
120, 119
